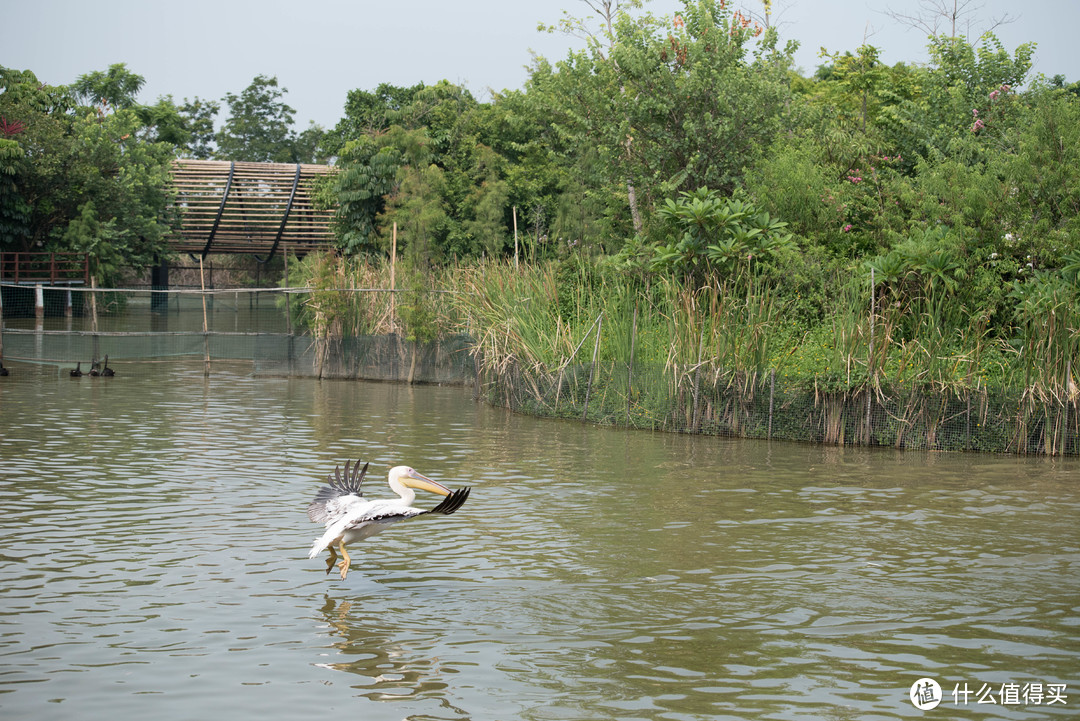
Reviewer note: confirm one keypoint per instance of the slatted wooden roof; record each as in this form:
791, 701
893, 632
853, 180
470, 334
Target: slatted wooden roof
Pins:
234, 207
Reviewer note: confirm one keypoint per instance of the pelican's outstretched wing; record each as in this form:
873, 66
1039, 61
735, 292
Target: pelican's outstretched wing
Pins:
451, 503
394, 511
366, 518
334, 501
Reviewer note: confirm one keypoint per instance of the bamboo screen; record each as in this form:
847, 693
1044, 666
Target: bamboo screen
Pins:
228, 207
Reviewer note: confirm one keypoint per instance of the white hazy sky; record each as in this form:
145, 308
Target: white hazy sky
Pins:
321, 49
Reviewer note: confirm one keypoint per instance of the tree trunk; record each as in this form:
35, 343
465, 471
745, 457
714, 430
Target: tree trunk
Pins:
635, 214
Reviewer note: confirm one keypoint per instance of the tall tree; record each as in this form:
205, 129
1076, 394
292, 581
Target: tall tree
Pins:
116, 87
667, 104
199, 117
259, 128
83, 179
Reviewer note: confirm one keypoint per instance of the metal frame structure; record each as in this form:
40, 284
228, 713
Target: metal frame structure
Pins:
236, 207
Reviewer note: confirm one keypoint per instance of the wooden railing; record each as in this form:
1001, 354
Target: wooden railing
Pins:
52, 268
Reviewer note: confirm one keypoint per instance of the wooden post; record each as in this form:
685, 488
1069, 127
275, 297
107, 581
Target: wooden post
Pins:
696, 418
1, 323
630, 366
592, 368
870, 360
393, 286
205, 325
772, 395
288, 295
39, 302
93, 315
93, 303
967, 419
1068, 398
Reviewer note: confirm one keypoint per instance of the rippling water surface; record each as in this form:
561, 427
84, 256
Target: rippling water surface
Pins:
154, 564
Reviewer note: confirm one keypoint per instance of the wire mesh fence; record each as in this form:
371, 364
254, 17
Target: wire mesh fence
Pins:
56, 330
713, 402
59, 329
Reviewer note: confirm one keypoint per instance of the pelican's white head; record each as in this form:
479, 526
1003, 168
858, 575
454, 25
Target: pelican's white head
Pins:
407, 477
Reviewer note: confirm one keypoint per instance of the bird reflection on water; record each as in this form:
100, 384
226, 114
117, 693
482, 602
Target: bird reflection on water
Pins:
387, 668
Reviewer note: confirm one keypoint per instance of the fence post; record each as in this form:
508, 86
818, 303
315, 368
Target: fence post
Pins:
288, 295
205, 326
592, 368
477, 370
393, 280
772, 395
93, 316
870, 362
1068, 397
630, 366
695, 418
39, 302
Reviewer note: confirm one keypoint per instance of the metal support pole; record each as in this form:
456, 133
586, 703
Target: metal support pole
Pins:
159, 281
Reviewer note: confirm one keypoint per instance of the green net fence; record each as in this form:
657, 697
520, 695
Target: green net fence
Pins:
698, 400
55, 330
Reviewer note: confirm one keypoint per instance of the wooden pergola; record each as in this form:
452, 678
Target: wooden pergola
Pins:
235, 207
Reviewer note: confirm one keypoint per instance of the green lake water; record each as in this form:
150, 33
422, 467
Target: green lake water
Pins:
154, 564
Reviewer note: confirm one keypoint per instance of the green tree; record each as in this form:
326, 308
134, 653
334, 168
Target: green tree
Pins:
425, 159
367, 173
368, 112
668, 104
259, 128
199, 121
309, 145
80, 178
116, 87
415, 203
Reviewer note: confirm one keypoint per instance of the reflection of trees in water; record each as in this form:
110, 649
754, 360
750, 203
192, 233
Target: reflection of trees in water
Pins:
388, 668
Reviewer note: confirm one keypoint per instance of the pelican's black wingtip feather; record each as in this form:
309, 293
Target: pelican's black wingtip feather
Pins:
454, 501
338, 487
358, 474
352, 482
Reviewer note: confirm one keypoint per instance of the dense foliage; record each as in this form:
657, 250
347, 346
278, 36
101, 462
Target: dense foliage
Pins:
82, 169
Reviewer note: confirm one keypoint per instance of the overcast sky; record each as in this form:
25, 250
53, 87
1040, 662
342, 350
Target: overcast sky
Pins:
321, 49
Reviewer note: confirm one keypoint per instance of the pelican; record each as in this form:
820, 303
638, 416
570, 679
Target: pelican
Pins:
349, 517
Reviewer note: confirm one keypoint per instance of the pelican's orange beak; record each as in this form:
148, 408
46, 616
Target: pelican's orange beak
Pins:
423, 483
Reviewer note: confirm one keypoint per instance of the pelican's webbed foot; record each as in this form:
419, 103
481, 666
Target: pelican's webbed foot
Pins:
343, 564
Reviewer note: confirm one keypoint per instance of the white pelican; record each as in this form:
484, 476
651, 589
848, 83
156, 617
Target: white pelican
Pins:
349, 518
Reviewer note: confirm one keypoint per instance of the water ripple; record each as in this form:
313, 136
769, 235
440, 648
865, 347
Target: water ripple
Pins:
156, 550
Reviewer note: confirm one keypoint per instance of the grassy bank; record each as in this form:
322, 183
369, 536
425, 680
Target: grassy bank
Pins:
880, 365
